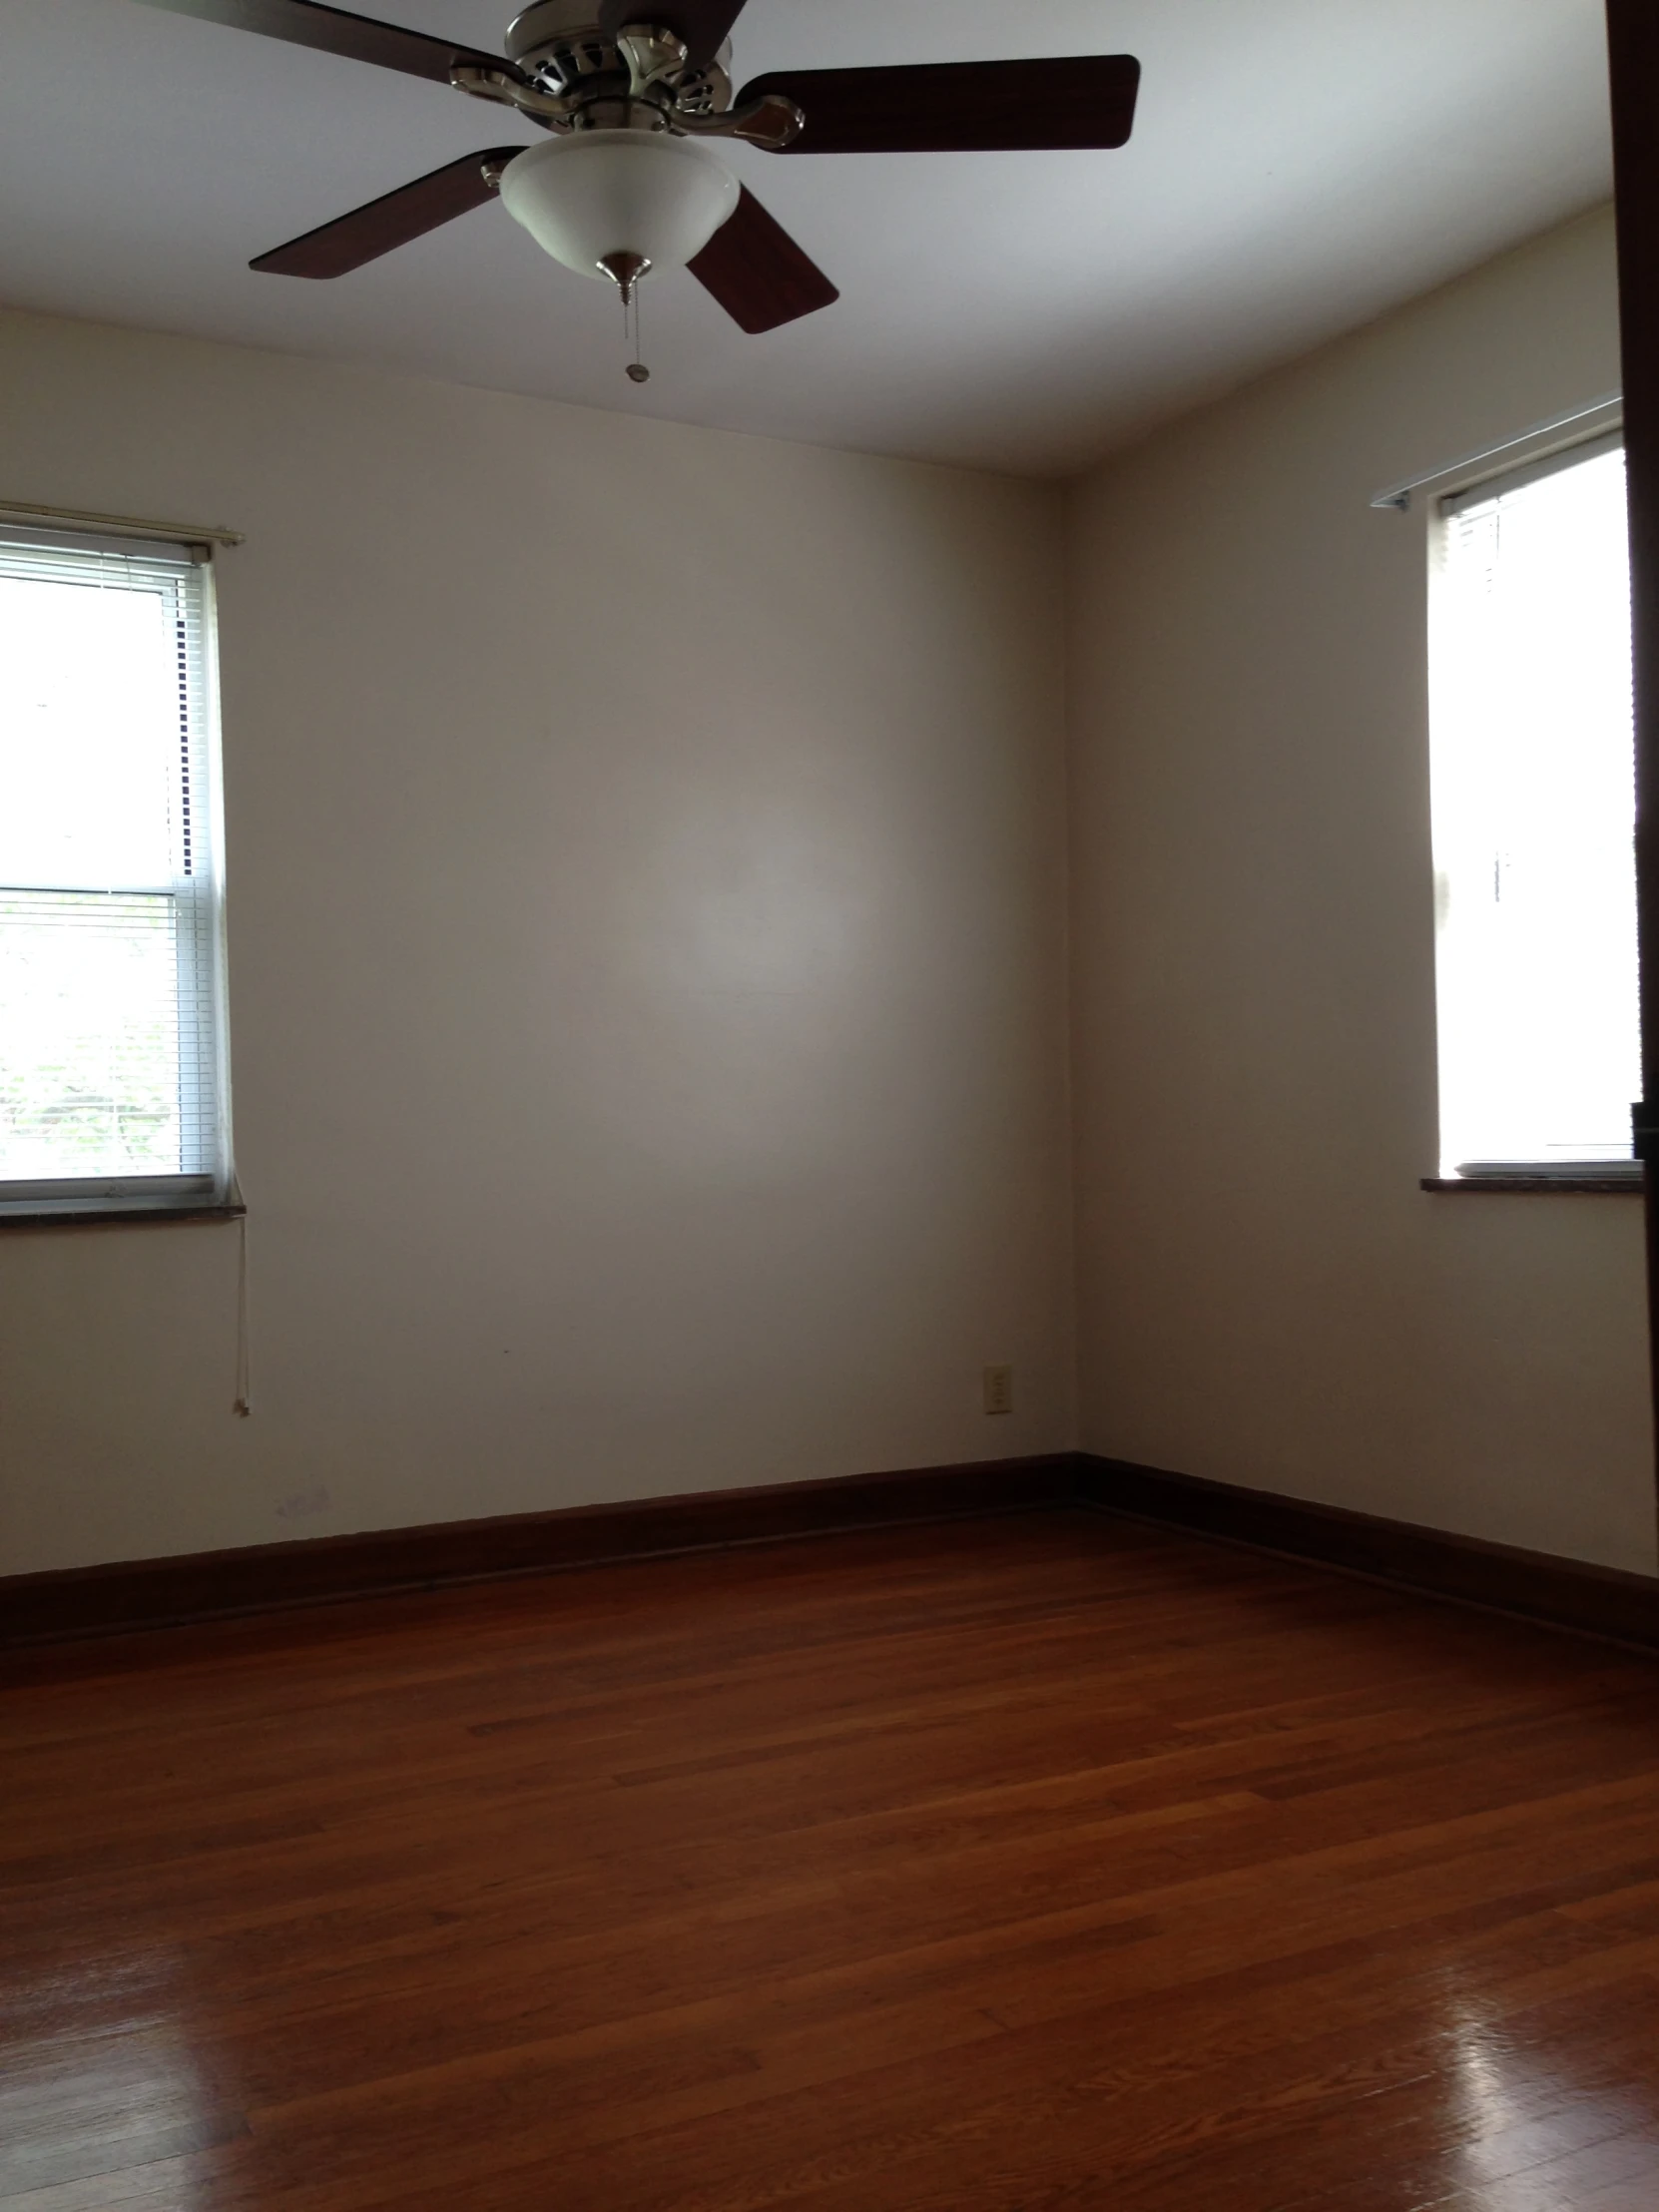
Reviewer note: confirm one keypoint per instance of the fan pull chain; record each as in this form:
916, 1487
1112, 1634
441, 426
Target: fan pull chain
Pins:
636, 367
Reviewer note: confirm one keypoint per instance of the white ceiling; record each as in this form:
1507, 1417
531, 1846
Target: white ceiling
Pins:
1298, 166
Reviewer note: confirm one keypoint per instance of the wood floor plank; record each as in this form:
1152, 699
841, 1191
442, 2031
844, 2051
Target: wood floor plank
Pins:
1006, 1867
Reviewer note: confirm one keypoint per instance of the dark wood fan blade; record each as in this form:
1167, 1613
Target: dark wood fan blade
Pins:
366, 232
961, 107
359, 37
757, 272
704, 25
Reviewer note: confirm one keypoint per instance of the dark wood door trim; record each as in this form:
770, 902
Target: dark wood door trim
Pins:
1633, 58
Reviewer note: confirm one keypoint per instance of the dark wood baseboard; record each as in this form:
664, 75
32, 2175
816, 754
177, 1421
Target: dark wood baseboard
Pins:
158, 1593
1534, 1585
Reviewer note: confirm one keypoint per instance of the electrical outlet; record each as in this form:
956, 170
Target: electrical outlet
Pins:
999, 1390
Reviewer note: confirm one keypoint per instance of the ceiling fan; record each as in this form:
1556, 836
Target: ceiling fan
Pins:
631, 91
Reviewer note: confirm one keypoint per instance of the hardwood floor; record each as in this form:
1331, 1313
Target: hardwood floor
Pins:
1032, 1865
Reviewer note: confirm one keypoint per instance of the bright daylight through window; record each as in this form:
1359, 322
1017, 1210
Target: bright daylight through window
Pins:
1534, 817
112, 1084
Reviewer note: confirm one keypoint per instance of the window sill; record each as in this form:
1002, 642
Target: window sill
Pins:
118, 1217
1528, 1186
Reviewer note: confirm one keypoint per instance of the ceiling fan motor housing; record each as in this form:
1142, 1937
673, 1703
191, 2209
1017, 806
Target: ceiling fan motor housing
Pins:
559, 45
549, 24
595, 196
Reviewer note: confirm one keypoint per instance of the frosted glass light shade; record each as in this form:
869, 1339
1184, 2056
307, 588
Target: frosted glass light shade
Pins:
601, 193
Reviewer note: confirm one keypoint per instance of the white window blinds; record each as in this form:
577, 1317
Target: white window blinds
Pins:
1534, 816
111, 1085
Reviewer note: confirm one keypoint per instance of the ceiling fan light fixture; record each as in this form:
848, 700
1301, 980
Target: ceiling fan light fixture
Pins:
595, 198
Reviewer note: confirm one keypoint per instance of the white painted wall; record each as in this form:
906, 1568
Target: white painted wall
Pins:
649, 959
1265, 1296
647, 941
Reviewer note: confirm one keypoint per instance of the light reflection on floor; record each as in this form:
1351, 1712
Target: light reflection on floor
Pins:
1539, 2132
74, 2109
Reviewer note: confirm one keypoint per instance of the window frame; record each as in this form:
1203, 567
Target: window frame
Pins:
1572, 441
203, 997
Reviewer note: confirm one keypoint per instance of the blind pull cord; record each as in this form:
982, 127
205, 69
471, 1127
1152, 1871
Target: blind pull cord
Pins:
243, 1403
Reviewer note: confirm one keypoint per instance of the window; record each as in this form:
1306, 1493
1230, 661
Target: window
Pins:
1534, 817
113, 1087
